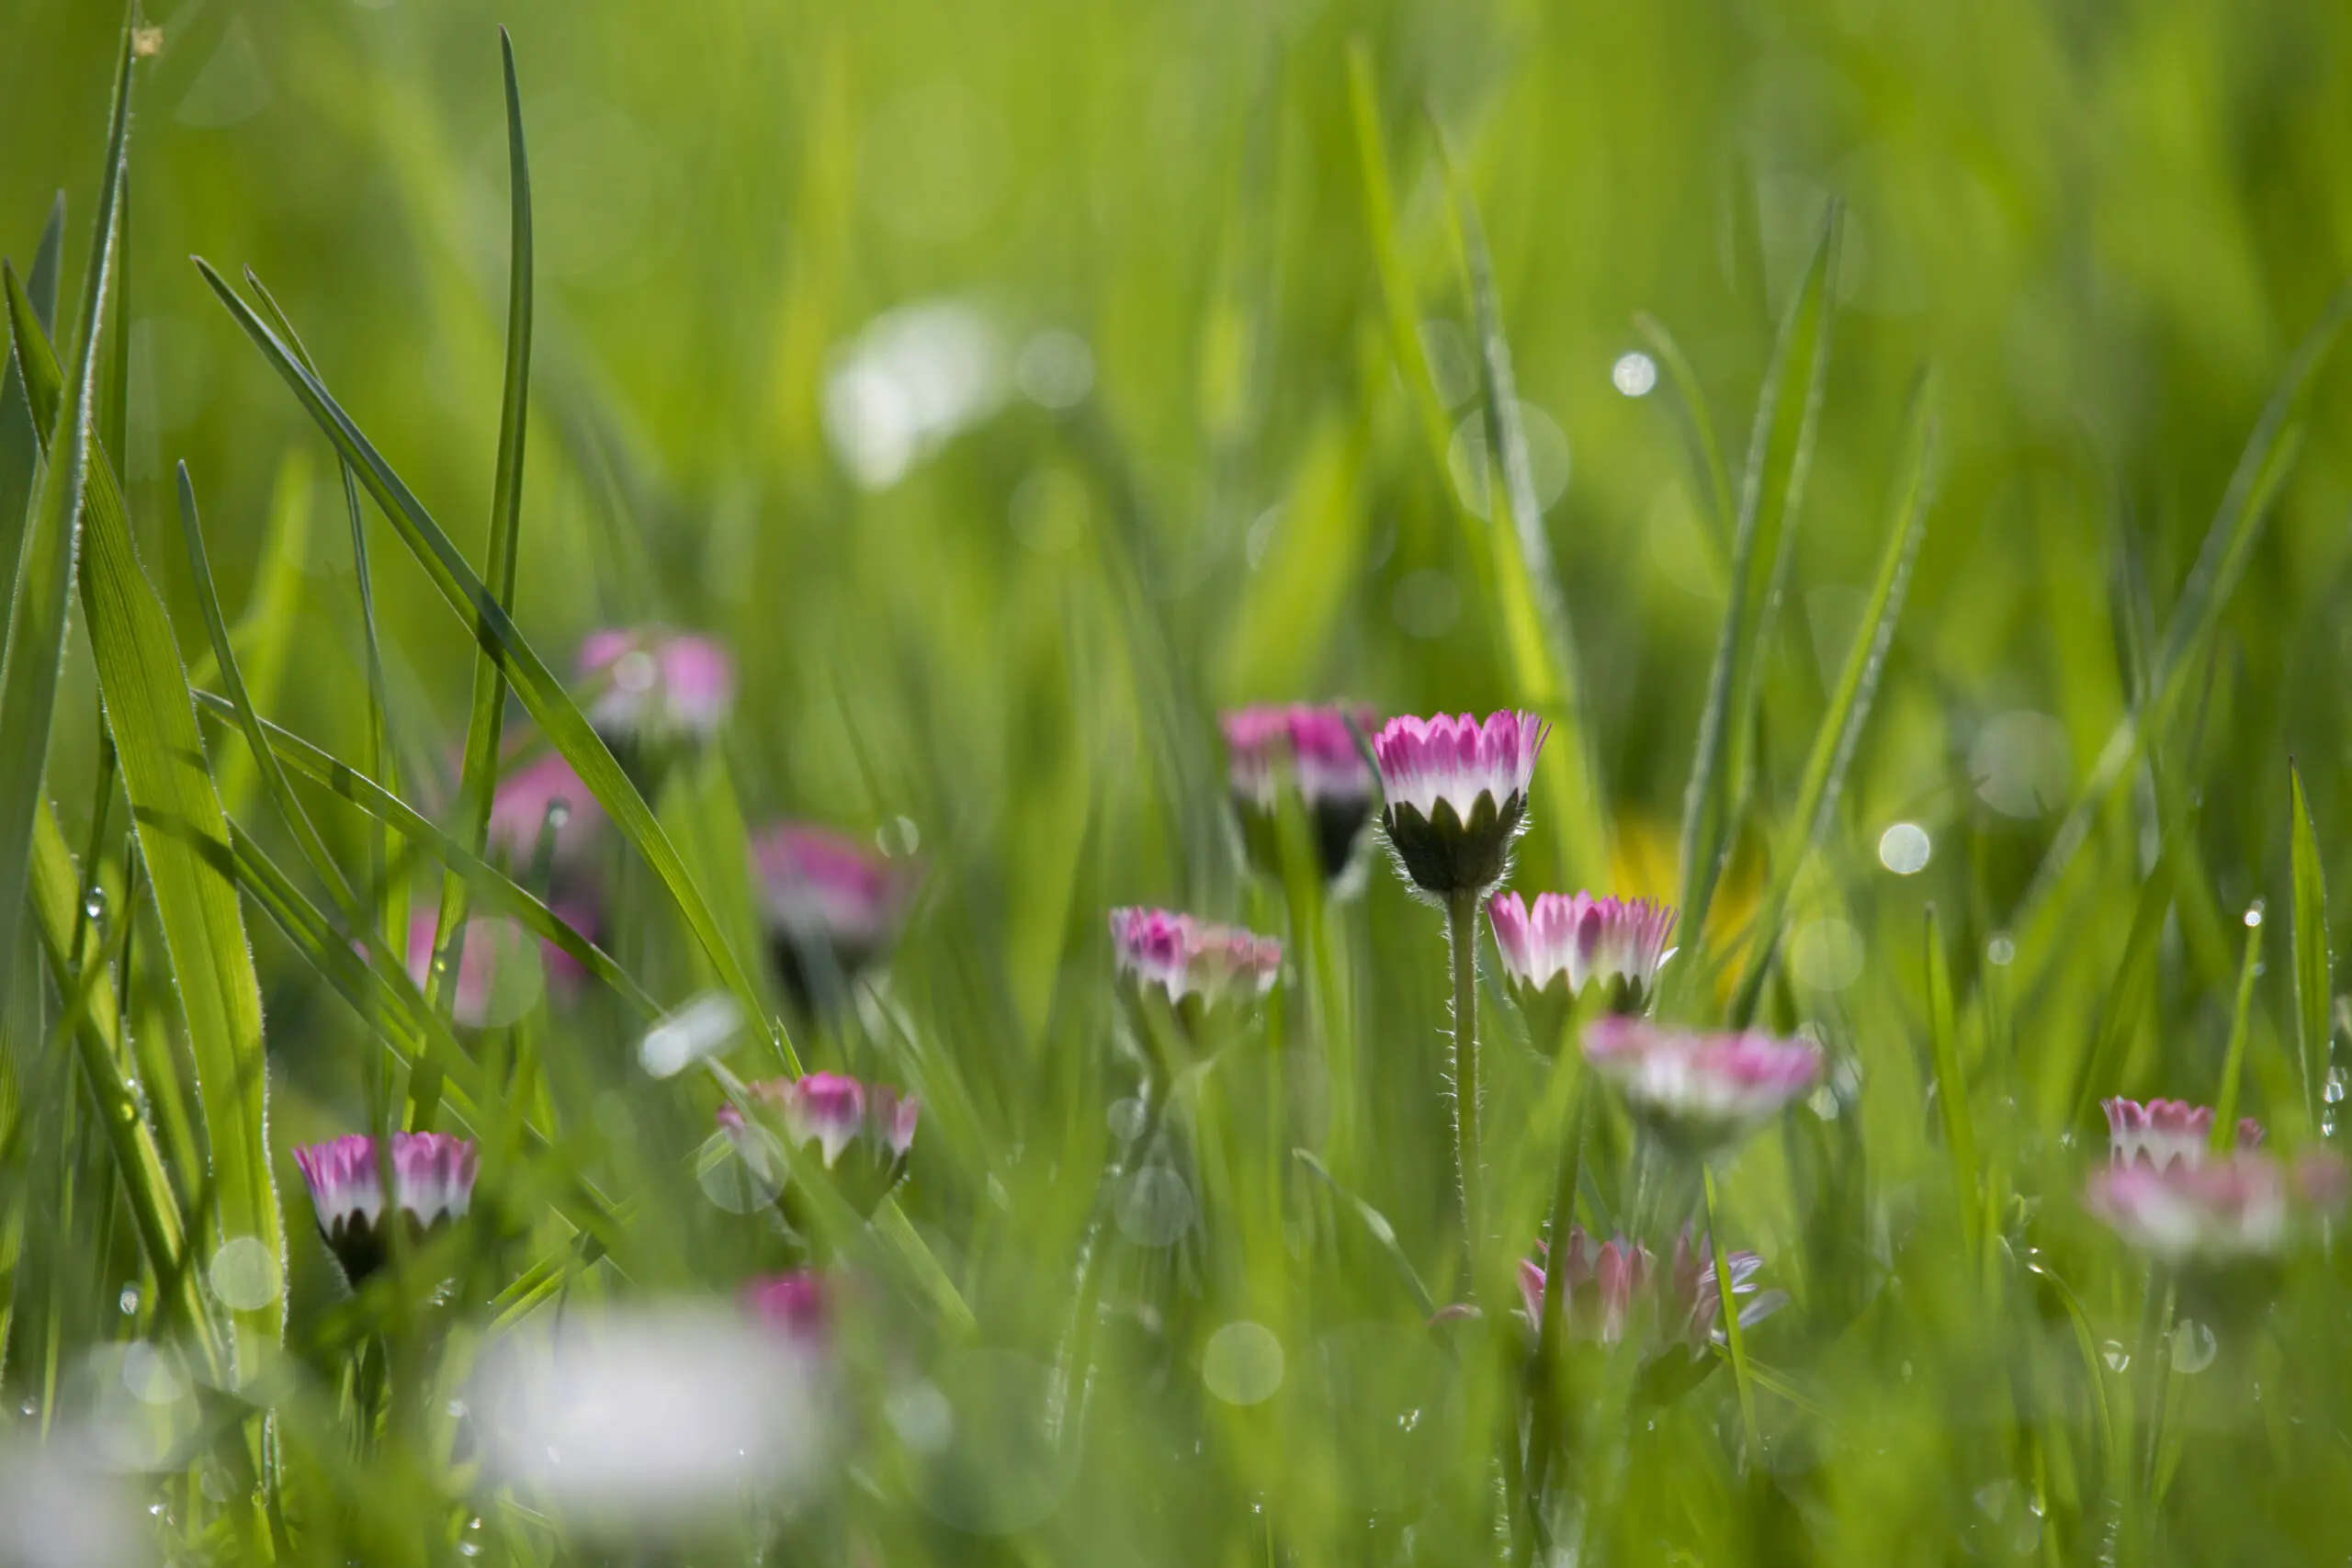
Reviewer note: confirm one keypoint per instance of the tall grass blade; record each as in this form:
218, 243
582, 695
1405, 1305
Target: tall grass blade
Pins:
44, 567
1850, 701
2126, 993
184, 843
19, 449
1779, 450
2225, 1132
2314, 972
1705, 447
1541, 643
1951, 1084
566, 728
1388, 257
485, 722
2255, 484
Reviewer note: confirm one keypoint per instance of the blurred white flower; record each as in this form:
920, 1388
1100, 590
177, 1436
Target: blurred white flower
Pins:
639, 1420
911, 380
59, 1510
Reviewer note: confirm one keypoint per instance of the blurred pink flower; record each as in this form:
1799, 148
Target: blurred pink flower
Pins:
1698, 1091
800, 1304
2164, 1131
1561, 945
657, 684
827, 899
863, 1132
1314, 749
1606, 1285
1194, 966
526, 798
491, 990
2234, 1208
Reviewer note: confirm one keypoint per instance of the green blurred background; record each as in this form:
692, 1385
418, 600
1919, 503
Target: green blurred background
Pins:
1009, 385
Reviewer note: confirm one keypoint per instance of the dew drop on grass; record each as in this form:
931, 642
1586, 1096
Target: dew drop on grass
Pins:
2332, 1090
93, 904
2001, 951
1903, 849
1156, 1208
2193, 1346
558, 813
129, 1300
2116, 1357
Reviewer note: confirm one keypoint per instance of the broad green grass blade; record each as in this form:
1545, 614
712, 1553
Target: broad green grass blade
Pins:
1541, 643
1693, 398
19, 449
1734, 1337
184, 843
2314, 972
2225, 1132
486, 721
1779, 450
1850, 703
281, 794
500, 891
2254, 485
1951, 1084
44, 568
567, 729
56, 900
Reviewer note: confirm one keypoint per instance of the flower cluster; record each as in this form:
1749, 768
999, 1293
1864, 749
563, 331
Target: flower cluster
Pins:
655, 688
1606, 1286
1313, 750
1556, 950
862, 1131
1701, 1092
1195, 967
2164, 1132
433, 1184
831, 907
2235, 1208
1456, 792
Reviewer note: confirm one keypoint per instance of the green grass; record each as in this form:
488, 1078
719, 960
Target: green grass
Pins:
1987, 474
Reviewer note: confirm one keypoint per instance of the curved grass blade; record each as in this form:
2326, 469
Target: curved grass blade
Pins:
281, 794
2225, 1105
1693, 399
1388, 259
321, 768
1376, 1225
1850, 703
479, 780
264, 635
44, 568
2255, 484
2314, 977
1542, 642
19, 448
566, 728
1779, 450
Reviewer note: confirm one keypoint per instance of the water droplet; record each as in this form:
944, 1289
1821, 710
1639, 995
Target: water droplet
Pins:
2001, 951
2332, 1091
1634, 374
1156, 1208
129, 1300
1903, 849
2193, 1346
458, 1411
470, 1548
1125, 1119
558, 813
2254, 914
2116, 1357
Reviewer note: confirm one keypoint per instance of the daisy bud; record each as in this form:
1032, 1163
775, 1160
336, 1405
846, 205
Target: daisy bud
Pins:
1565, 949
1314, 751
1609, 1286
2239, 1208
2164, 1132
1198, 969
432, 1182
832, 908
1457, 795
1700, 1093
657, 689
862, 1132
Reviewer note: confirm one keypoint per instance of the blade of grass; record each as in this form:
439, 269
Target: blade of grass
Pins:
1850, 703
2224, 1134
19, 448
1541, 643
479, 780
2126, 993
1734, 1337
265, 634
558, 717
2254, 485
511, 897
44, 568
2314, 977
1951, 1086
1693, 398
1780, 448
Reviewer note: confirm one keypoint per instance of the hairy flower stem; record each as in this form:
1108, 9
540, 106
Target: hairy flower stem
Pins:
1462, 936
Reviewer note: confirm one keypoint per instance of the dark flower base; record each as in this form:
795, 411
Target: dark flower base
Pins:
1338, 826
1444, 855
362, 1249
816, 973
